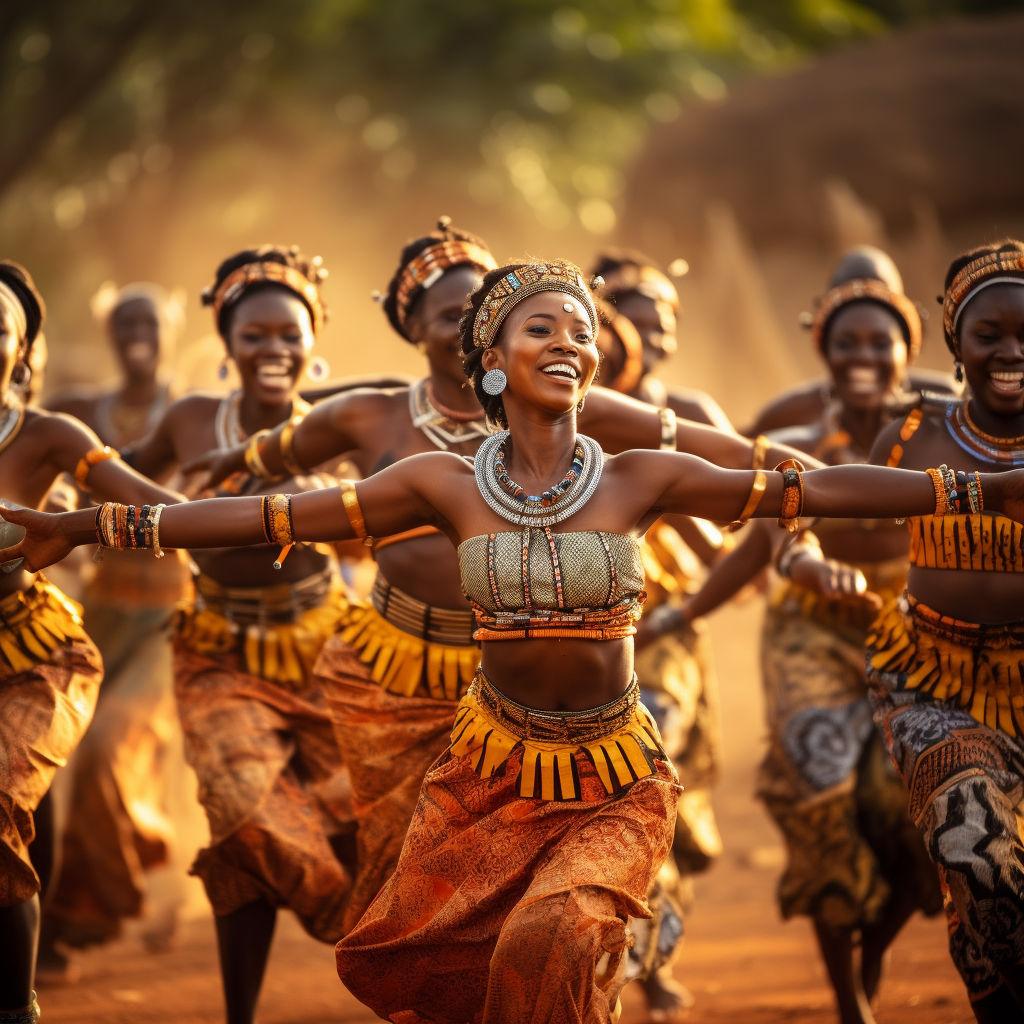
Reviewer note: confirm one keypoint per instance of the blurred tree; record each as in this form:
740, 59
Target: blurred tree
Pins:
546, 99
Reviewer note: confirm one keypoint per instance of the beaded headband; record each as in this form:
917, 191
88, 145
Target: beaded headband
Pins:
971, 279
13, 303
520, 284
645, 280
426, 269
857, 290
232, 287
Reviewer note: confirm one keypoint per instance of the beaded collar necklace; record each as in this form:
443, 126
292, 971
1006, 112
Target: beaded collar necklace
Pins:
1004, 451
557, 503
443, 427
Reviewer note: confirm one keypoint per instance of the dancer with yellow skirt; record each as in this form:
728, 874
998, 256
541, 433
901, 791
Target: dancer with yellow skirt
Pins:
256, 725
50, 671
946, 659
538, 833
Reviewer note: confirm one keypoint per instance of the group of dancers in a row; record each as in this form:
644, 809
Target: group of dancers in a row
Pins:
488, 778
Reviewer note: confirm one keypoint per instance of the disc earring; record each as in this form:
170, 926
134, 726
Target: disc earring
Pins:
494, 382
318, 369
958, 371
223, 370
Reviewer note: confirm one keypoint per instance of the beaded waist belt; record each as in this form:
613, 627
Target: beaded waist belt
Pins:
974, 666
282, 602
619, 738
580, 624
449, 626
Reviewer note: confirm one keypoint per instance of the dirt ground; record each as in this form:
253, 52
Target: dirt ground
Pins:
742, 964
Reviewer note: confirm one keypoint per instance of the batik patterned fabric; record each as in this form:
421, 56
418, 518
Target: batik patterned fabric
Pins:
49, 680
387, 742
826, 781
965, 778
118, 826
511, 909
273, 787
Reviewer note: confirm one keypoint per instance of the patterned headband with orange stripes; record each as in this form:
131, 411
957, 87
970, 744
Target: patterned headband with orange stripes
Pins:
867, 288
990, 269
426, 269
234, 285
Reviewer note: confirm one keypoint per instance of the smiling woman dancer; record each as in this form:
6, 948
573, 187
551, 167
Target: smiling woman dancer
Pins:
118, 827
256, 725
946, 660
538, 833
49, 669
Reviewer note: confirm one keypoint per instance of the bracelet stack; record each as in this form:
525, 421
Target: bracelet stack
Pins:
806, 543
90, 459
276, 518
792, 494
129, 527
253, 459
956, 493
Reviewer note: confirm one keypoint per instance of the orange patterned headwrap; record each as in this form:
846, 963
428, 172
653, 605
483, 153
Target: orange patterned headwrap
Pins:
426, 269
234, 285
645, 280
993, 268
867, 288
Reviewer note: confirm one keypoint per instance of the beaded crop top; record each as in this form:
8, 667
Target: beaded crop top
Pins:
534, 583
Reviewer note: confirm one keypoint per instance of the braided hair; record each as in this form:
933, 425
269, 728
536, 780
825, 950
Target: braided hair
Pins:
310, 268
19, 280
1008, 245
472, 355
444, 232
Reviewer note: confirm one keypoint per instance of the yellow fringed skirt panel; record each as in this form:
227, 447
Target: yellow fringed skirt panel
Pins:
34, 623
620, 738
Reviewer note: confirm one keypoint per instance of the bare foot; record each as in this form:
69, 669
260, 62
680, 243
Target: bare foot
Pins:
667, 1000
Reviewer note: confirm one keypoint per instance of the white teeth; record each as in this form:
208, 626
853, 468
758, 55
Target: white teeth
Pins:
561, 369
862, 379
272, 374
1009, 381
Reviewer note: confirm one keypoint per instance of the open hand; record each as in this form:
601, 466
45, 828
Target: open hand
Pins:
833, 579
46, 541
216, 465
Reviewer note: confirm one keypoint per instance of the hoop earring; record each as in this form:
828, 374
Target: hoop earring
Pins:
494, 382
958, 371
224, 369
318, 369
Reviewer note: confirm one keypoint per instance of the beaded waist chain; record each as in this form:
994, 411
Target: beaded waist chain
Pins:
580, 624
426, 622
282, 602
620, 739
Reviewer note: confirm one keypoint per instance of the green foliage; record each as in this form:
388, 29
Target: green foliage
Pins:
545, 98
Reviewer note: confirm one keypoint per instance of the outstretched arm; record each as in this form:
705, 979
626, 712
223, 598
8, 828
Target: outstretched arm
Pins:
620, 424
399, 498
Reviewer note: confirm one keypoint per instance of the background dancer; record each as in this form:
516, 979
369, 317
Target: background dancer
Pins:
946, 659
257, 731
49, 669
118, 826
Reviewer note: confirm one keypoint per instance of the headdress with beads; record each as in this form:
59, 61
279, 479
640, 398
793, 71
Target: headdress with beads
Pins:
233, 286
860, 289
526, 280
427, 268
992, 268
644, 280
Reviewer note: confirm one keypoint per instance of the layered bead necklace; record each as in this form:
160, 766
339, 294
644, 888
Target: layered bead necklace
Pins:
443, 427
1003, 451
559, 502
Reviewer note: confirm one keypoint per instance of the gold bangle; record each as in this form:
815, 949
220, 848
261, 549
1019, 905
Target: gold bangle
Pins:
941, 504
157, 513
288, 459
253, 459
90, 459
760, 452
753, 500
355, 514
669, 440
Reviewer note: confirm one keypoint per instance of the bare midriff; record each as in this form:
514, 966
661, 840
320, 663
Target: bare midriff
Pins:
972, 595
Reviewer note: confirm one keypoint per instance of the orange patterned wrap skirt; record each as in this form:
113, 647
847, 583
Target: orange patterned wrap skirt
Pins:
507, 907
50, 674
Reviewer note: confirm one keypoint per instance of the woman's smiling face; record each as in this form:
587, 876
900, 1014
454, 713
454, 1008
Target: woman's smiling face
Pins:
270, 336
991, 340
866, 353
547, 350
